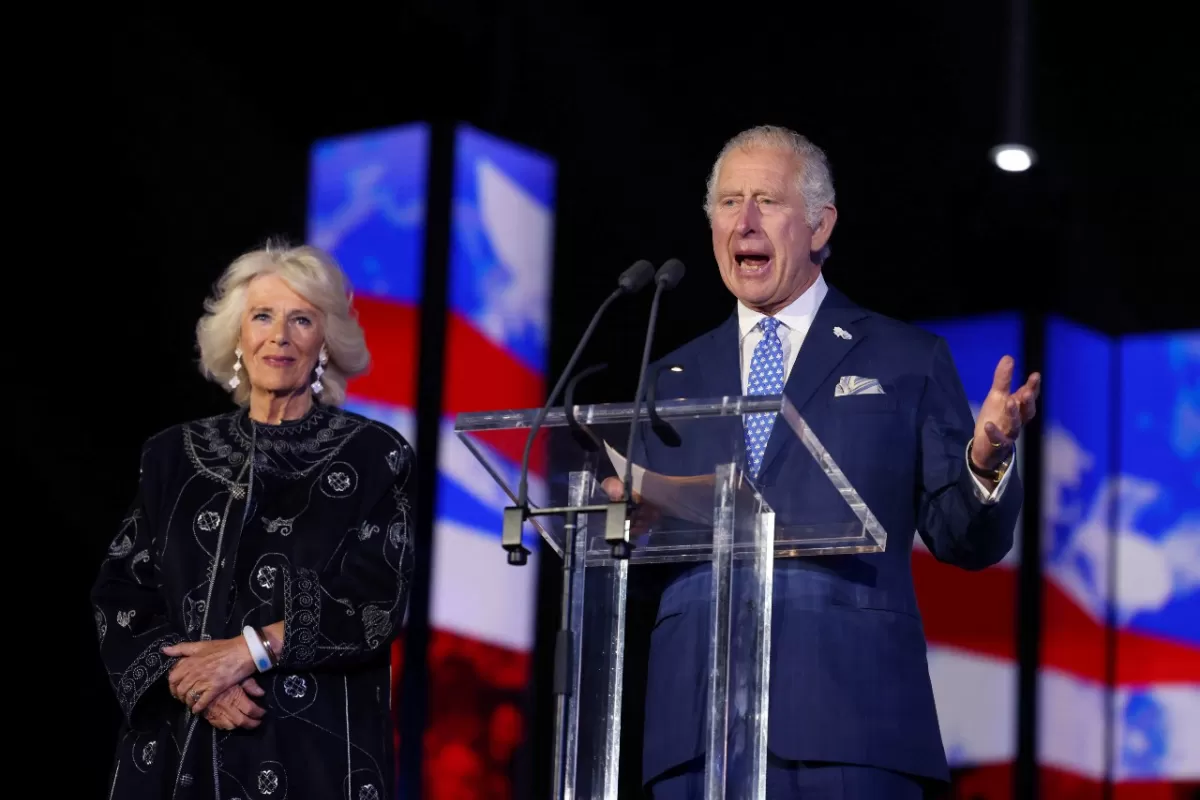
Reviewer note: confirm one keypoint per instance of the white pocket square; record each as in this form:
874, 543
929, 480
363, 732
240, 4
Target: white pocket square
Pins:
852, 384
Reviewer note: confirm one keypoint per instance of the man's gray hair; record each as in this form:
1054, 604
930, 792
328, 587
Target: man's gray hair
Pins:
814, 178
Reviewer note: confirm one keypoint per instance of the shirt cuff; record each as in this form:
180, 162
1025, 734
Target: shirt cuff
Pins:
989, 498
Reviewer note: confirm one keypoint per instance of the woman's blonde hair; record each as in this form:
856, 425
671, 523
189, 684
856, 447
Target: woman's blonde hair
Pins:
315, 276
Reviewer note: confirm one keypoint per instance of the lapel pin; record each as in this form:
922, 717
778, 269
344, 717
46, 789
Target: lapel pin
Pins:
842, 334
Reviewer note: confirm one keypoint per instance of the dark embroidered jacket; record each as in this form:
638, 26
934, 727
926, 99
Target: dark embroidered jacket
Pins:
314, 530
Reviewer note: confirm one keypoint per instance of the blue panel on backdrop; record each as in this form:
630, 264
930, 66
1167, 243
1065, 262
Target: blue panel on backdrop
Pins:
1160, 496
1078, 409
501, 255
367, 207
977, 345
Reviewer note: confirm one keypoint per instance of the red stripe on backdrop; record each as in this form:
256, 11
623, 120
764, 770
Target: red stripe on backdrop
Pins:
392, 331
476, 697
1076, 643
397, 674
994, 782
1144, 658
977, 611
1059, 784
972, 610
1071, 640
988, 782
480, 375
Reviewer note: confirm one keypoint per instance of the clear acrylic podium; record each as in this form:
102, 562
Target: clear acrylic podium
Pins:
686, 510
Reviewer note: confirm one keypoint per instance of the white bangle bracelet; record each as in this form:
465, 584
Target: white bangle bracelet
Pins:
262, 659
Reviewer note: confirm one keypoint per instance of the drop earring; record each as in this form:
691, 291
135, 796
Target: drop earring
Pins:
235, 381
322, 360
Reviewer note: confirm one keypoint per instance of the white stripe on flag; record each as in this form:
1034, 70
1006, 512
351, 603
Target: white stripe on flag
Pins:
476, 593
1071, 726
1157, 728
459, 464
976, 705
1158, 731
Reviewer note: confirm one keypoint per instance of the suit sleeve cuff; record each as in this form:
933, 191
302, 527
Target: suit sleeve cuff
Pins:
985, 496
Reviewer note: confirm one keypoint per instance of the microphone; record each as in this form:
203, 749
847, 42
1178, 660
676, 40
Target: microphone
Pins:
631, 280
668, 277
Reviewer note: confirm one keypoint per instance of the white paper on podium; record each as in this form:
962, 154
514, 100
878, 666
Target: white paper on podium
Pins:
618, 462
689, 499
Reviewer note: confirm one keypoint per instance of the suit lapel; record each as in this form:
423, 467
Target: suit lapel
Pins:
819, 356
719, 368
723, 374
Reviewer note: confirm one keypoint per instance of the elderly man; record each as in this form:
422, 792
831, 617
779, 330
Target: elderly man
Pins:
852, 711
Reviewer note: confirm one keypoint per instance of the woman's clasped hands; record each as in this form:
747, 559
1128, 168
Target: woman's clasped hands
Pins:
214, 678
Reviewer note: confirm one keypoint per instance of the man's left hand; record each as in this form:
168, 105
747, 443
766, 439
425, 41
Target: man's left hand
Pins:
1003, 415
206, 669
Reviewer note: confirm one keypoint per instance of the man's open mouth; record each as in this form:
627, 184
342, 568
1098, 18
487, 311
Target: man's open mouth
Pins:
752, 261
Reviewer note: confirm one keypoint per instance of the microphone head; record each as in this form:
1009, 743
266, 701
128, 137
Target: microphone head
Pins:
670, 274
636, 277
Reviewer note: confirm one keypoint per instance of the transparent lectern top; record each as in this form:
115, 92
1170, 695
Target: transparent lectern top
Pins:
678, 455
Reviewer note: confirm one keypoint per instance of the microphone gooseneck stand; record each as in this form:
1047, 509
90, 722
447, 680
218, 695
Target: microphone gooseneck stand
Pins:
667, 278
631, 280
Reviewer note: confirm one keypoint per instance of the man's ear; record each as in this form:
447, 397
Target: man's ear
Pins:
824, 228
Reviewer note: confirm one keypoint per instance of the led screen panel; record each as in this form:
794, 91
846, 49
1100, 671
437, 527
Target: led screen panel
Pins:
1078, 412
367, 207
972, 644
482, 611
1155, 534
1119, 679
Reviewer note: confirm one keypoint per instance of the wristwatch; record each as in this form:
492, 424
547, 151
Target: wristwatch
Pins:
989, 474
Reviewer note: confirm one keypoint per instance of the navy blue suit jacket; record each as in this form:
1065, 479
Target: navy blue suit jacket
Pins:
849, 676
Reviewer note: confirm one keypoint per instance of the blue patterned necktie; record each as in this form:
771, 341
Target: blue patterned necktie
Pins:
766, 378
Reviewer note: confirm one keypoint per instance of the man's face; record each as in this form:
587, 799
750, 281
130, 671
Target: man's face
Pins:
761, 237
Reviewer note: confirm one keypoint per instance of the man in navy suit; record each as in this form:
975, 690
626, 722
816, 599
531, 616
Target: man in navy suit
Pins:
851, 706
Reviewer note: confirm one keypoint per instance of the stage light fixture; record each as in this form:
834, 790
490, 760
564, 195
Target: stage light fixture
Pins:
1013, 157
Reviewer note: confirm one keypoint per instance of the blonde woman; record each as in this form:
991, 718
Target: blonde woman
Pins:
246, 607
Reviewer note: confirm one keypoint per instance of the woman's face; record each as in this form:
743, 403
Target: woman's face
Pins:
281, 338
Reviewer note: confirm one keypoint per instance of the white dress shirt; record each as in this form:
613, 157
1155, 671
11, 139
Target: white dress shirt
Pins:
794, 322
